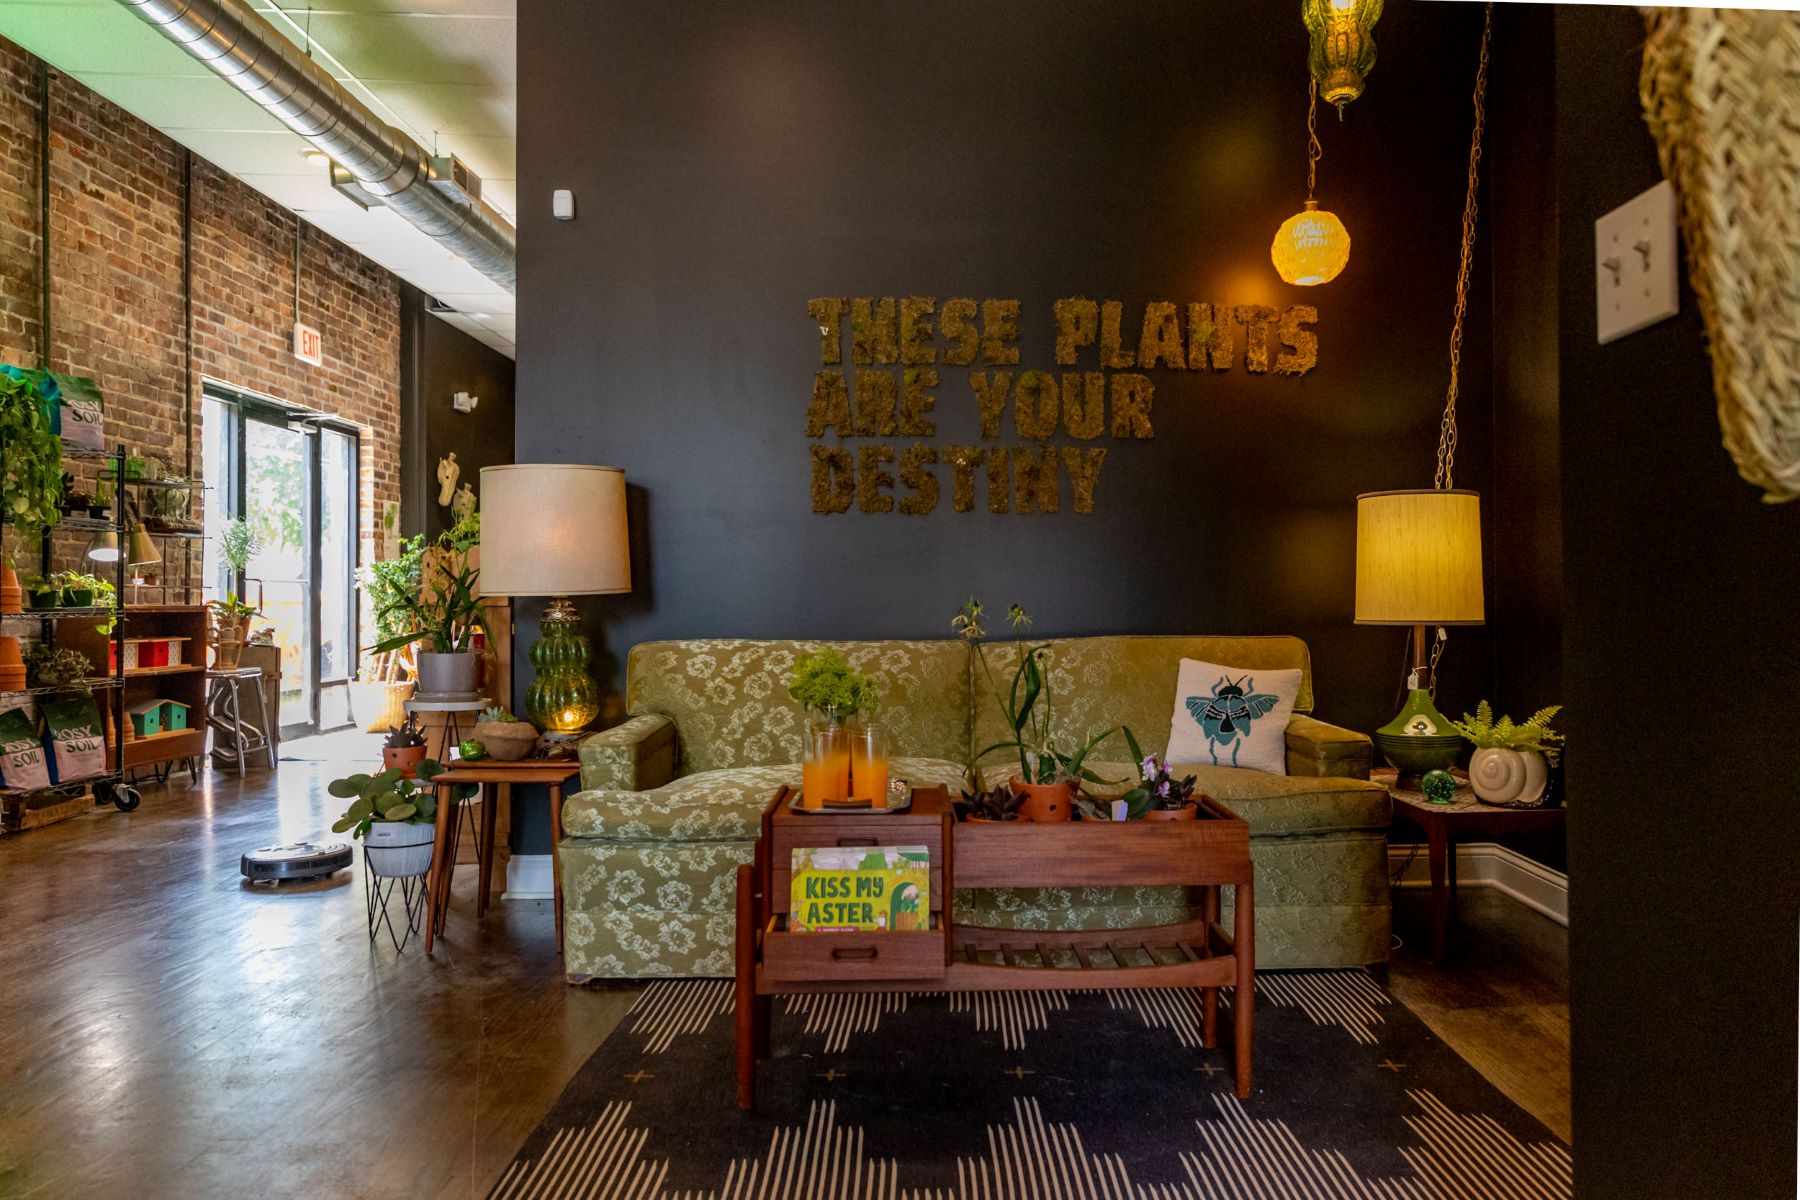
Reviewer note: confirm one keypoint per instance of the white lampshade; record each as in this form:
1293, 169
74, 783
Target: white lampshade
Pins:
553, 529
1418, 558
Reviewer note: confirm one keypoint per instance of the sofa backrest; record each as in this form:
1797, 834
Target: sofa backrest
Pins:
731, 708
1100, 682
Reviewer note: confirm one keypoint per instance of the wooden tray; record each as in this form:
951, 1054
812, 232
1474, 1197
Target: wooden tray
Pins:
849, 810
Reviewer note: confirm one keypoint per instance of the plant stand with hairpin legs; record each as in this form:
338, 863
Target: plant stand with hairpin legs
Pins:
378, 892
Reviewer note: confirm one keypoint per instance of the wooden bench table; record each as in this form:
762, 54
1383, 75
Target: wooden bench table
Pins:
1208, 853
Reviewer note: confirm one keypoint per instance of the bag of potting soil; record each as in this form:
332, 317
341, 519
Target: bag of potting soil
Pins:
21, 754
82, 411
73, 734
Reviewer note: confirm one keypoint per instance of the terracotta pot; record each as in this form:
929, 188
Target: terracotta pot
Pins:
1045, 802
12, 665
406, 759
12, 596
1187, 812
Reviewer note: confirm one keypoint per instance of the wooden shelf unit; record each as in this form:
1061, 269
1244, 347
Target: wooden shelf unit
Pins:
185, 684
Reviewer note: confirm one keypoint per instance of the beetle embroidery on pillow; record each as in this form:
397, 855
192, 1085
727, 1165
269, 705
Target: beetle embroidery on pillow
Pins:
1226, 714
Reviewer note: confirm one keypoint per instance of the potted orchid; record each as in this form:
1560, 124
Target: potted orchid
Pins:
1159, 796
1050, 771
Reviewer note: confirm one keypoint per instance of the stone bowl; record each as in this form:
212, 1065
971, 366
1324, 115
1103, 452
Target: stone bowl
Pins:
507, 741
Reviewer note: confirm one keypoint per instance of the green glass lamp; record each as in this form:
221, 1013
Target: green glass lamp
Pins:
558, 530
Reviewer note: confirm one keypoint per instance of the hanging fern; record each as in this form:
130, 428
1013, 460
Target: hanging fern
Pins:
1485, 733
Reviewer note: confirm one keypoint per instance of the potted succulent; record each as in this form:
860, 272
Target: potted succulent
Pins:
1159, 796
394, 815
989, 807
1508, 768
504, 736
1049, 773
404, 749
442, 614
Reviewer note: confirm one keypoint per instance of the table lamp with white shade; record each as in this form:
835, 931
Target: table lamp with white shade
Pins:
557, 530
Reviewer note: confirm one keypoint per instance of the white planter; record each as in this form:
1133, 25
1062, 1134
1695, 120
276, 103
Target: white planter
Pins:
399, 850
1509, 778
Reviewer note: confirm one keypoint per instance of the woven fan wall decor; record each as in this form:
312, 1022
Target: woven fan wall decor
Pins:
1721, 94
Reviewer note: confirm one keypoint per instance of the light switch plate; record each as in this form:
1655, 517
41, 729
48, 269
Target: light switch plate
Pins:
1635, 263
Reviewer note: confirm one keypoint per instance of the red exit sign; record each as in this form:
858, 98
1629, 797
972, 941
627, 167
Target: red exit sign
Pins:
309, 344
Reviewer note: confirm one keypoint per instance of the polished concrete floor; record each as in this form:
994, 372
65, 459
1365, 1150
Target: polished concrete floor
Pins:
166, 1030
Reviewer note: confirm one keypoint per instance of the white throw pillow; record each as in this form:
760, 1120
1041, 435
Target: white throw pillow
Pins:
1232, 717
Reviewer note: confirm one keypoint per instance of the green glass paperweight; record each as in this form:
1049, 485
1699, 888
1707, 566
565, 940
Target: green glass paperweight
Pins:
563, 697
1439, 786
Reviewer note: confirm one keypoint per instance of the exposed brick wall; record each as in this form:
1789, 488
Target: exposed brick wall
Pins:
117, 301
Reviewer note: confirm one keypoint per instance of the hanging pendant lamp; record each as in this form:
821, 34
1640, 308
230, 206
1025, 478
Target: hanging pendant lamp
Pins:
1343, 46
1312, 246
1418, 551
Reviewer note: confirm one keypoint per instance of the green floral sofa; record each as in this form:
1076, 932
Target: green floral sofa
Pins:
671, 798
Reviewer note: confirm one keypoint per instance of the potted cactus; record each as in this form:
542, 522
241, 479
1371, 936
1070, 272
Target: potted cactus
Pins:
394, 815
404, 749
504, 736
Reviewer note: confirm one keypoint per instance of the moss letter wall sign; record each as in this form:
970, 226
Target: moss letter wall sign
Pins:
908, 353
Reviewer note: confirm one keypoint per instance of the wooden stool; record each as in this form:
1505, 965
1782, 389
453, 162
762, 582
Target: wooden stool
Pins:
225, 717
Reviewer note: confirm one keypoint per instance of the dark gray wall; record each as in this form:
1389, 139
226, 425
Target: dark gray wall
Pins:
1682, 635
732, 160
440, 360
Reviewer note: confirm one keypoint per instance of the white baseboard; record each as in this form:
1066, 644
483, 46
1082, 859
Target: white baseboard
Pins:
1490, 865
530, 877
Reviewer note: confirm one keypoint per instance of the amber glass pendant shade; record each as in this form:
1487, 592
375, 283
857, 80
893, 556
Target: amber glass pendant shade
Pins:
563, 697
1311, 247
1343, 45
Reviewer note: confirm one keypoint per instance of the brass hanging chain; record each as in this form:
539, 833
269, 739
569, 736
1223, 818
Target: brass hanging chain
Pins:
1314, 152
1446, 451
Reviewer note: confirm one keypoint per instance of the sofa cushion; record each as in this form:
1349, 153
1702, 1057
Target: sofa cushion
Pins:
1274, 805
711, 806
1101, 682
731, 708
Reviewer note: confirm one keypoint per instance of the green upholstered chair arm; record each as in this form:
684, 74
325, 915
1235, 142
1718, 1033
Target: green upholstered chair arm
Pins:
1315, 748
633, 757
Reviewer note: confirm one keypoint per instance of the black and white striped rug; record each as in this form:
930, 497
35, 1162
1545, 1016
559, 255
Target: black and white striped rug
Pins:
1035, 1096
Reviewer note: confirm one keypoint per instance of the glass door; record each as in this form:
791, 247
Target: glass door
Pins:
278, 502
293, 476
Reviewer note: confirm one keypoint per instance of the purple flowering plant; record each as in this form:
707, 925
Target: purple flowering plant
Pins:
1156, 787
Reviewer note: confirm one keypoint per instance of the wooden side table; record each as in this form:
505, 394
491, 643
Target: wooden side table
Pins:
495, 779
1444, 825
1207, 854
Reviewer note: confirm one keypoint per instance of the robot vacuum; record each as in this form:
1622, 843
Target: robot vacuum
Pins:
302, 860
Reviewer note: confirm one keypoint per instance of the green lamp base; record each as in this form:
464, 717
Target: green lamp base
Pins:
563, 698
1418, 740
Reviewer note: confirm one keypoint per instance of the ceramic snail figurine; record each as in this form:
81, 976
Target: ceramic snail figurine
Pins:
1509, 778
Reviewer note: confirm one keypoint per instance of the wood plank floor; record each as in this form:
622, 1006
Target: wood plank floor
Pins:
166, 1030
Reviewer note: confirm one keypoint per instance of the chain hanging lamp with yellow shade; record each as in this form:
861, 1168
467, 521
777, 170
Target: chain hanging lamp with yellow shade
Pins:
1418, 551
1312, 246
1343, 46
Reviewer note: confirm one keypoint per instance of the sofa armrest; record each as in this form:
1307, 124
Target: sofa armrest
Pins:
631, 757
1315, 748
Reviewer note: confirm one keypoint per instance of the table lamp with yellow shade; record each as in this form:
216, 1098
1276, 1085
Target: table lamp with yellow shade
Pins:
1418, 563
557, 530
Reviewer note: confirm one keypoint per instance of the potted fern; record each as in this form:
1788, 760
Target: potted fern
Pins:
1508, 768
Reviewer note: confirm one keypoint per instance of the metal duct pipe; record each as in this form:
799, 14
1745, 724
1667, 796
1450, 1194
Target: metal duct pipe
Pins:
251, 55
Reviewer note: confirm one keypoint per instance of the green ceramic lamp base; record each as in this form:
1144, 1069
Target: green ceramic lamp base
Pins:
562, 698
